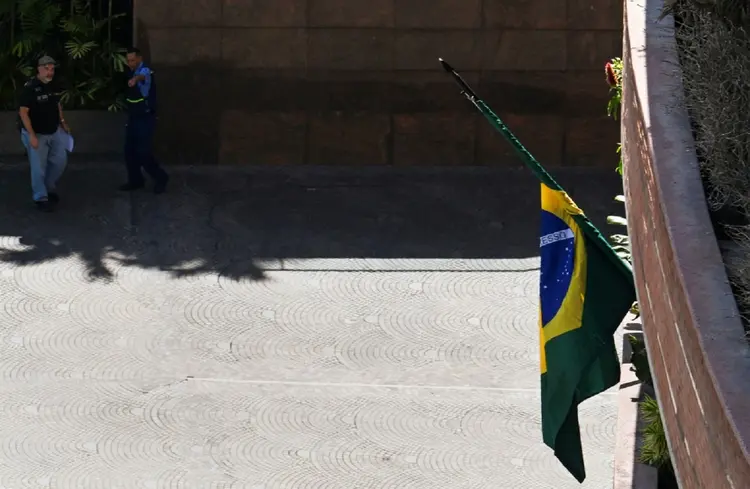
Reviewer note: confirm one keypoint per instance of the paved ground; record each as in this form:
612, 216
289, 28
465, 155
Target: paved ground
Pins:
273, 331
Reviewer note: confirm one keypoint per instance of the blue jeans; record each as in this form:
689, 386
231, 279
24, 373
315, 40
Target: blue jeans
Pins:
47, 162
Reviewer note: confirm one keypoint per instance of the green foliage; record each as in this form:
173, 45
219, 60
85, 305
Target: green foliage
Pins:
613, 72
614, 79
654, 451
620, 242
77, 36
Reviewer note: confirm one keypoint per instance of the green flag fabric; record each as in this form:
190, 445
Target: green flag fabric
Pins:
585, 292
583, 298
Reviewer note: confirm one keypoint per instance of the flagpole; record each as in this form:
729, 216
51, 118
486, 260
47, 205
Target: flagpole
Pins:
536, 168
526, 156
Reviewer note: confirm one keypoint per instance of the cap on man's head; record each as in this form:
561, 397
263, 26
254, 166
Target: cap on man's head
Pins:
46, 60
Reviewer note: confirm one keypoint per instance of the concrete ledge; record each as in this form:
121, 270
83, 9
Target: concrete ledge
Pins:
696, 343
629, 472
96, 132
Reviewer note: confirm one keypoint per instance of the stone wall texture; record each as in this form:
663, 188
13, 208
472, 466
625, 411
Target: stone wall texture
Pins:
697, 348
357, 82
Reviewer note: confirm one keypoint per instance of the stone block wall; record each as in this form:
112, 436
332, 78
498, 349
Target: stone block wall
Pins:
355, 82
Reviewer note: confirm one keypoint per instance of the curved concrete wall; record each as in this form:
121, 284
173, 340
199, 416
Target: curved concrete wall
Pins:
698, 353
357, 82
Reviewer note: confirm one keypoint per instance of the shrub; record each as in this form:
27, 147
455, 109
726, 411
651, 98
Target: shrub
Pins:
714, 43
655, 450
79, 34
620, 242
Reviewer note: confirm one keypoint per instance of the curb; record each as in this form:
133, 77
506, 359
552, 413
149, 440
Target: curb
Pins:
629, 472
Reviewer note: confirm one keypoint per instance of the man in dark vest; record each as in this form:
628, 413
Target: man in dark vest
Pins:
140, 99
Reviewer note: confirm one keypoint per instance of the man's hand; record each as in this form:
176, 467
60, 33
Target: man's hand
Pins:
132, 82
33, 141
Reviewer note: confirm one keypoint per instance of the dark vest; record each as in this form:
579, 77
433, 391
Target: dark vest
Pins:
138, 104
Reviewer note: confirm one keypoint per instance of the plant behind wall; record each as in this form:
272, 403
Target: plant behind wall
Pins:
86, 37
654, 450
620, 242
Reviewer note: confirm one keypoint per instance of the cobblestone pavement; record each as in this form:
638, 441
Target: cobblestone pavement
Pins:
278, 332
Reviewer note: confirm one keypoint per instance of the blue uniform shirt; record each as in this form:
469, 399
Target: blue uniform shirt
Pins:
143, 85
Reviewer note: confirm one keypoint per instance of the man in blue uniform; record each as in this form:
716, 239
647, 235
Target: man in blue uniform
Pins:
140, 99
42, 124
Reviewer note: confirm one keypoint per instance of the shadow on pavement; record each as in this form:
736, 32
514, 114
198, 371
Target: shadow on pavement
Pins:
240, 223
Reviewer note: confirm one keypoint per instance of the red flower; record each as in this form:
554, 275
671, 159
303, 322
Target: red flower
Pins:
611, 75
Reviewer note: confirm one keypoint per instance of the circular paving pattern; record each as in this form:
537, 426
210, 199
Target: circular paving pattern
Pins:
320, 379
122, 311
20, 308
490, 286
270, 346
60, 279
368, 287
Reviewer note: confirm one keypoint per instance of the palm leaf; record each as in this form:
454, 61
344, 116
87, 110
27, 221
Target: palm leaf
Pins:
75, 31
620, 238
23, 47
119, 61
621, 221
78, 50
654, 450
103, 22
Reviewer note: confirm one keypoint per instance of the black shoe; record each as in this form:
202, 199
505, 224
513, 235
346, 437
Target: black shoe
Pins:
129, 187
53, 197
44, 205
161, 187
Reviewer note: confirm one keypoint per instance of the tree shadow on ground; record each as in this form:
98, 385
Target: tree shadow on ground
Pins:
241, 223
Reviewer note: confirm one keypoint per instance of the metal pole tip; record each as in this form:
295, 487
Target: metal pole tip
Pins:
446, 66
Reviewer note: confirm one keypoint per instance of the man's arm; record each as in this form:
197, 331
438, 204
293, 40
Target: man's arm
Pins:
25, 102
144, 78
62, 118
26, 121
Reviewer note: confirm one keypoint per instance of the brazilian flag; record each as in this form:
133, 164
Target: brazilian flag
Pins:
585, 292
